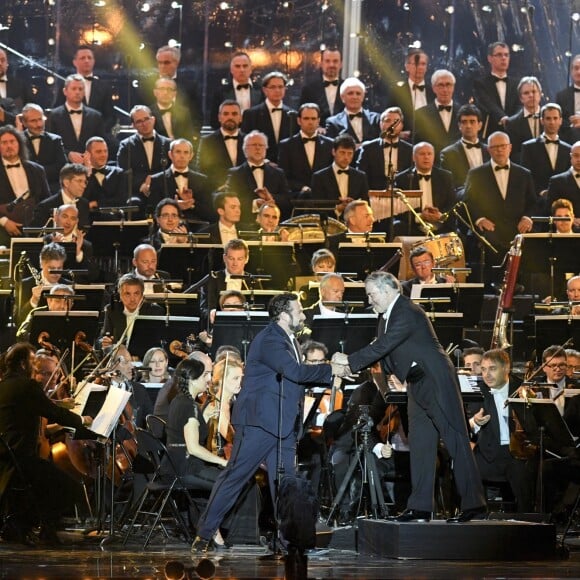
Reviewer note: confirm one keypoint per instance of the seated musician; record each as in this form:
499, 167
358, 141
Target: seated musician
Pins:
492, 423
169, 220
321, 263
331, 289
359, 219
156, 360
555, 367
573, 294
472, 357
573, 360
563, 208
268, 221
422, 264
145, 262
22, 404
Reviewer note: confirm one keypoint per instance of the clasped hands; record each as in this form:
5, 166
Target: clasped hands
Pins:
339, 363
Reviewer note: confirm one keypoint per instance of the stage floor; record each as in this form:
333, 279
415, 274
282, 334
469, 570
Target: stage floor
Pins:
83, 558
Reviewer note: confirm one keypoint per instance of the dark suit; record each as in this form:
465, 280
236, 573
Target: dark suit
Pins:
340, 123
132, 156
271, 366
51, 155
488, 101
112, 192
534, 156
434, 402
518, 129
258, 118
400, 95
227, 92
429, 127
241, 181
564, 185
18, 93
371, 160
325, 185
565, 98
454, 159
293, 160
115, 321
313, 91
44, 210
181, 122
213, 159
92, 125
407, 285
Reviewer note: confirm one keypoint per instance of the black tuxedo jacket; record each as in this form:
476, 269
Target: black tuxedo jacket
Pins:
454, 159
535, 158
400, 95
37, 184
371, 160
241, 180
429, 127
113, 192
258, 118
325, 186
488, 102
407, 285
340, 123
564, 185
213, 159
181, 122
227, 92
18, 93
115, 320
163, 185
214, 233
484, 199
51, 155
518, 128
293, 160
313, 91
59, 122
45, 208
565, 98
132, 156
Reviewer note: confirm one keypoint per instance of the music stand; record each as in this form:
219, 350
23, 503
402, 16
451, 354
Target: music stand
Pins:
150, 331
60, 328
380, 196
274, 258
555, 329
345, 334
175, 303
93, 295
448, 326
366, 258
191, 261
321, 206
259, 299
33, 247
353, 291
237, 329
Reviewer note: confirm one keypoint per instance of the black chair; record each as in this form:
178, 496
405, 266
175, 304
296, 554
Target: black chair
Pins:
156, 426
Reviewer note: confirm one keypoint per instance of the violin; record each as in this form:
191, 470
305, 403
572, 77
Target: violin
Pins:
43, 341
182, 349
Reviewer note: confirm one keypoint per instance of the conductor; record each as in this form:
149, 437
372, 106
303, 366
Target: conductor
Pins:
407, 347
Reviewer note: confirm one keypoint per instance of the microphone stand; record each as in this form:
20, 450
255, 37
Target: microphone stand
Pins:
427, 228
390, 183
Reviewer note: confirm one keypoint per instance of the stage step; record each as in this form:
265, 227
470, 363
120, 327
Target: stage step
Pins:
476, 540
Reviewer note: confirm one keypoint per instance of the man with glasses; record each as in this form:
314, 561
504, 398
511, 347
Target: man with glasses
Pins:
555, 367
172, 118
422, 263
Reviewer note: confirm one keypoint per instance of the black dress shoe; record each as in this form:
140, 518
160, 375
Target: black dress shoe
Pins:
411, 515
467, 515
202, 546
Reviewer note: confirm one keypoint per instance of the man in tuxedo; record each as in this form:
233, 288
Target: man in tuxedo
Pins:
407, 347
274, 362
221, 150
388, 154
413, 92
256, 181
74, 121
188, 187
145, 267
340, 181
229, 211
306, 152
567, 184
359, 219
569, 100
422, 263
500, 196
98, 92
241, 88
467, 152
172, 118
437, 188
525, 124
437, 121
555, 367
169, 220
323, 88
106, 186
22, 184
14, 93
360, 123
44, 148
546, 155
492, 423
331, 289
73, 182
272, 117
143, 154
496, 94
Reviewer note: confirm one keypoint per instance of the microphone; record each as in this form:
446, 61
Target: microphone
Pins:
446, 215
388, 132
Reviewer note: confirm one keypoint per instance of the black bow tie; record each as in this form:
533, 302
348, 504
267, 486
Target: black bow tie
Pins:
254, 167
418, 87
228, 137
576, 90
352, 116
276, 109
182, 173
444, 108
328, 83
347, 171
168, 110
577, 175
13, 165
75, 112
308, 139
386, 145
533, 116
472, 145
3, 80
146, 139
500, 167
500, 80
425, 177
90, 78
102, 171
553, 141
243, 86
34, 137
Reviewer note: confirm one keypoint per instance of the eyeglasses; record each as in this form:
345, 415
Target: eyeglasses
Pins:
169, 215
142, 121
557, 366
422, 263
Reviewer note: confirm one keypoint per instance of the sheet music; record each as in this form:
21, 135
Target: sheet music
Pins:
105, 421
83, 393
468, 383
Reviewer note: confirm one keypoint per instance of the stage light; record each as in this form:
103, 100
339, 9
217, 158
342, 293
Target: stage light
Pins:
224, 6
443, 48
575, 16
172, 42
450, 9
229, 44
50, 80
324, 7
51, 42
406, 7
176, 6
416, 44
145, 7
99, 3
517, 48
286, 43
486, 8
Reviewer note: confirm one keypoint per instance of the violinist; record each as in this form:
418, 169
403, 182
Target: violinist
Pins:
22, 404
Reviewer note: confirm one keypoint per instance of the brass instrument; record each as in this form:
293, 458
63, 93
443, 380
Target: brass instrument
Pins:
313, 232
499, 337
